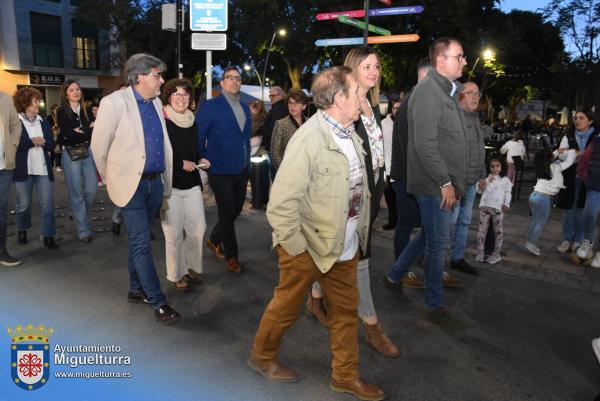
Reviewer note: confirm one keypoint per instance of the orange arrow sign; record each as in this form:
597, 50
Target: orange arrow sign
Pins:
413, 37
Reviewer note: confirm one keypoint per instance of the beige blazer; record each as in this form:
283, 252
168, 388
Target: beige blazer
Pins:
118, 146
11, 129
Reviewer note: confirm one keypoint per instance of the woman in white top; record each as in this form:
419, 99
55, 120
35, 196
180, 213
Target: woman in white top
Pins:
549, 182
514, 147
33, 166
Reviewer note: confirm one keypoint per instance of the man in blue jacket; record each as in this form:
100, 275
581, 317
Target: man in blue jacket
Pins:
224, 128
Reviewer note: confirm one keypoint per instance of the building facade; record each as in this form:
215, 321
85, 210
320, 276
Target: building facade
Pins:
42, 44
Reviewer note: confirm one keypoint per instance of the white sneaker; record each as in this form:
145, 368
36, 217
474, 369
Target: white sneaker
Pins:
596, 261
532, 248
58, 169
564, 247
492, 260
585, 250
479, 259
575, 246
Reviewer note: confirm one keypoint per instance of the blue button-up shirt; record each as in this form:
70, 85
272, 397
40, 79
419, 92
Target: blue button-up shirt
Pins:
153, 135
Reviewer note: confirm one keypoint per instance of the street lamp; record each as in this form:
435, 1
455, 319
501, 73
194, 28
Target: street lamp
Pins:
488, 55
248, 67
281, 33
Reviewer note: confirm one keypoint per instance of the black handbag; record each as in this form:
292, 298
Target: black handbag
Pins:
78, 152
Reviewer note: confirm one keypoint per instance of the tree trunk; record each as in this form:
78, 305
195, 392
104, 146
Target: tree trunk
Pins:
294, 73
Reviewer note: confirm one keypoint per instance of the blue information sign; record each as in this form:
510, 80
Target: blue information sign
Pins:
339, 42
208, 15
396, 11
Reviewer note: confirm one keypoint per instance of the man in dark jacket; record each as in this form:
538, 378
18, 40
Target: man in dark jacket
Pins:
437, 156
476, 171
278, 111
224, 127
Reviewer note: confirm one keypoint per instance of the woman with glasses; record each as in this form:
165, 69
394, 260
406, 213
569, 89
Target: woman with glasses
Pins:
184, 222
364, 62
286, 127
572, 198
34, 168
78, 165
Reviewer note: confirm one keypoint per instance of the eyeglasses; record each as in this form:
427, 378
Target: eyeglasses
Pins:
181, 95
292, 102
157, 75
474, 94
458, 57
233, 78
274, 94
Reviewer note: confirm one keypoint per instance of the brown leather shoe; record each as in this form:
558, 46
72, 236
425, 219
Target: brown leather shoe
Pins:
216, 250
274, 371
234, 266
450, 281
359, 388
315, 307
376, 338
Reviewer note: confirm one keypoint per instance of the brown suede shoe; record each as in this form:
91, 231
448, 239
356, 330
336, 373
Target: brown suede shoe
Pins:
275, 371
315, 307
216, 250
376, 338
450, 281
359, 388
234, 266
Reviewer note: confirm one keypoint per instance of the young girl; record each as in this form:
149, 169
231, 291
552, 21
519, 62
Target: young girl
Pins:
495, 200
514, 147
549, 181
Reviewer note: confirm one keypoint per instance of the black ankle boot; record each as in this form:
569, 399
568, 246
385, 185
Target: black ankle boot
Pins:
22, 237
49, 242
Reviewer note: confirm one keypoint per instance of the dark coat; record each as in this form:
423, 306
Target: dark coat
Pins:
68, 121
566, 197
376, 190
278, 111
23, 150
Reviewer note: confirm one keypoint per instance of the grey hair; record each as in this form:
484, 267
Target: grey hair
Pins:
327, 84
278, 90
141, 64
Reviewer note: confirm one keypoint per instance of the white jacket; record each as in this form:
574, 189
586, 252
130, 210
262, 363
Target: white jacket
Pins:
513, 148
497, 192
552, 186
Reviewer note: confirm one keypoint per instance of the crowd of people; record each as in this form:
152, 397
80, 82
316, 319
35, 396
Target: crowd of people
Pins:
329, 171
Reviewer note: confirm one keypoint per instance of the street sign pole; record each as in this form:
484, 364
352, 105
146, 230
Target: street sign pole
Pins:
208, 74
366, 29
362, 25
179, 29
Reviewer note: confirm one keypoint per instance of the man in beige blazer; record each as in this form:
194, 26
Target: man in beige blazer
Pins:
134, 157
10, 134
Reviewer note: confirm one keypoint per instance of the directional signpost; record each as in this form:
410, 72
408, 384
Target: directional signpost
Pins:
361, 25
376, 12
371, 40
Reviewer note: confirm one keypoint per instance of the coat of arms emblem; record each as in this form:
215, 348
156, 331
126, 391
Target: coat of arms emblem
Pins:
30, 355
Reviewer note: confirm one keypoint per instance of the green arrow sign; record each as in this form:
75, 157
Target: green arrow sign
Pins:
361, 25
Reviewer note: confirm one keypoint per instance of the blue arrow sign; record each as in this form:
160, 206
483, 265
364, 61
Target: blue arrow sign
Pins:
396, 11
339, 42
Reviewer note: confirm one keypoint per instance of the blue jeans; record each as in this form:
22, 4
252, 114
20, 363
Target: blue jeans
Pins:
45, 191
462, 220
138, 215
572, 224
82, 184
6, 177
590, 214
409, 255
540, 211
408, 217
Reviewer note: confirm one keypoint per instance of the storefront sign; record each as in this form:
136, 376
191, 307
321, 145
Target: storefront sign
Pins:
46, 79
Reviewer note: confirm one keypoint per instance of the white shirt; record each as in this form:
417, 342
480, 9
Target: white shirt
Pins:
36, 163
555, 184
355, 184
387, 126
497, 193
513, 148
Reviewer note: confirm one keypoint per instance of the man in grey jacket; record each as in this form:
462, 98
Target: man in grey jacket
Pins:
437, 157
469, 100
